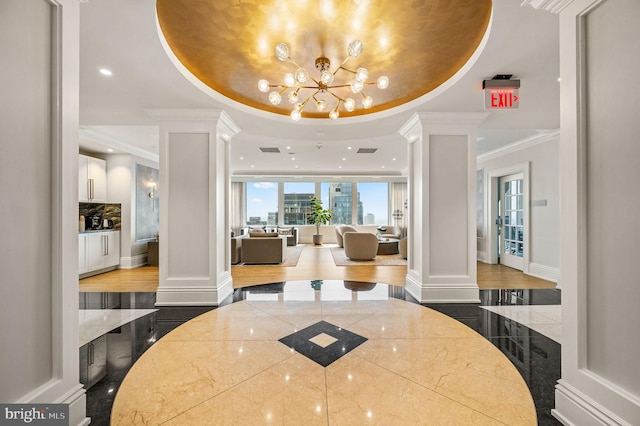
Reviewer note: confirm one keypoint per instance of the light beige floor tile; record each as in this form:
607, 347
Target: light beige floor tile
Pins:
467, 370
232, 325
361, 393
174, 376
423, 323
290, 393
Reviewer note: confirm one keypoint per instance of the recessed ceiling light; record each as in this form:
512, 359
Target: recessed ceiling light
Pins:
109, 150
288, 147
293, 158
297, 167
393, 159
242, 158
106, 72
344, 158
559, 79
252, 166
349, 147
339, 167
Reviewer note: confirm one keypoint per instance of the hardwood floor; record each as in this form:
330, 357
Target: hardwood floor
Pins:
316, 262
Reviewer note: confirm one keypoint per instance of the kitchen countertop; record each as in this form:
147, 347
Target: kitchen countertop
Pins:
93, 231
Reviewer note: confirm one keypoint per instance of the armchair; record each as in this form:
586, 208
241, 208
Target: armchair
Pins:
340, 230
360, 245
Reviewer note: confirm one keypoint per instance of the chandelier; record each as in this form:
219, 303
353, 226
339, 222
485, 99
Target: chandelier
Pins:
295, 83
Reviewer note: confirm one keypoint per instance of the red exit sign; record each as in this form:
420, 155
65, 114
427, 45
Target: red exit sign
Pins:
501, 98
501, 92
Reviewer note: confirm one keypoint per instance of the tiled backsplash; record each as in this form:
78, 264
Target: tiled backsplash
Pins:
109, 211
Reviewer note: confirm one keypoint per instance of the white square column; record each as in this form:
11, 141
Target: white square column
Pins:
194, 249
442, 205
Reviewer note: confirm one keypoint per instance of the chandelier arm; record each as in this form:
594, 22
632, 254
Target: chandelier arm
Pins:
295, 63
336, 96
314, 80
338, 86
347, 69
342, 64
307, 100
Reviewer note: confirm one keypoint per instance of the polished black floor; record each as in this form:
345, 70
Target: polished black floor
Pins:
536, 357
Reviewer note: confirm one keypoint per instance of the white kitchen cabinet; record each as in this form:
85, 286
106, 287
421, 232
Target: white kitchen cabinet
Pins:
92, 179
101, 250
93, 361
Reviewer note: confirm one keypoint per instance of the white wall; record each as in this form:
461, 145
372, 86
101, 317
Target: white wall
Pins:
121, 181
39, 193
599, 154
544, 231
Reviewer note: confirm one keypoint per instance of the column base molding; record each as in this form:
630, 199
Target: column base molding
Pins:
194, 295
442, 293
575, 408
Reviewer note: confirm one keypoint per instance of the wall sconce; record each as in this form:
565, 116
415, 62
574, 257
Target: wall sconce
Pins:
152, 194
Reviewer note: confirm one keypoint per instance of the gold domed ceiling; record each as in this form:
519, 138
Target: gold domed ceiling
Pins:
229, 45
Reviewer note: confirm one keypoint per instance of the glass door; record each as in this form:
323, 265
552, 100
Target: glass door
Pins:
512, 235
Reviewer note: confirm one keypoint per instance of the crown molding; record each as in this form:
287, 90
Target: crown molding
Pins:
114, 143
553, 6
520, 145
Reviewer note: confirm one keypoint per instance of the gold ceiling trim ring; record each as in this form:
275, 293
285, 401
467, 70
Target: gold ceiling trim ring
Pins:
228, 45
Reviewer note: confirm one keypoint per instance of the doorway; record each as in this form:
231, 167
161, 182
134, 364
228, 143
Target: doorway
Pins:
511, 232
507, 216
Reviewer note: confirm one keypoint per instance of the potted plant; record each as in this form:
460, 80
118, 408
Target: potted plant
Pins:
319, 216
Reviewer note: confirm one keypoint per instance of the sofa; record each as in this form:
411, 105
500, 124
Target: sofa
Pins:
264, 247
236, 249
360, 245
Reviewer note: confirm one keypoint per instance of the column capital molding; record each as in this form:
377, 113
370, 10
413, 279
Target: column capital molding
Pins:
441, 121
187, 114
552, 6
225, 125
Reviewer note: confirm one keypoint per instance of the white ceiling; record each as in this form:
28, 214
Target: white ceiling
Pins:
121, 35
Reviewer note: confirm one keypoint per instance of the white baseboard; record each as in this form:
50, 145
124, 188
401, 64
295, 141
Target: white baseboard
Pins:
194, 292
133, 261
575, 408
449, 293
483, 256
544, 272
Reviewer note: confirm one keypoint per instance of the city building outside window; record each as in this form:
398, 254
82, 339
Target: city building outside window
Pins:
297, 202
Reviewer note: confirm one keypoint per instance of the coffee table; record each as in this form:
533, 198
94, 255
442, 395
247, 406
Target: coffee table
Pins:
388, 246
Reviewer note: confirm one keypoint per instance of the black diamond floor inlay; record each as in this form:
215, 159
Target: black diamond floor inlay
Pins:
345, 343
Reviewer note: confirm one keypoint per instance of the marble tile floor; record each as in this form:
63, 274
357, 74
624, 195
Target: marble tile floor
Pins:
98, 322
536, 358
545, 319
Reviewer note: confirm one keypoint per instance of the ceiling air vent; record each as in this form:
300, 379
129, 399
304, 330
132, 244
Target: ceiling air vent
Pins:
273, 150
367, 150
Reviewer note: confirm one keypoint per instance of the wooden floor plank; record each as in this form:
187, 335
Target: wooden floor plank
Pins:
316, 262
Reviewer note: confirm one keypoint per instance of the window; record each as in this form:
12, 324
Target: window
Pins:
262, 203
373, 203
338, 197
297, 202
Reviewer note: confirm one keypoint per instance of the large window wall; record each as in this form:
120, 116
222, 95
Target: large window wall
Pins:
353, 202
